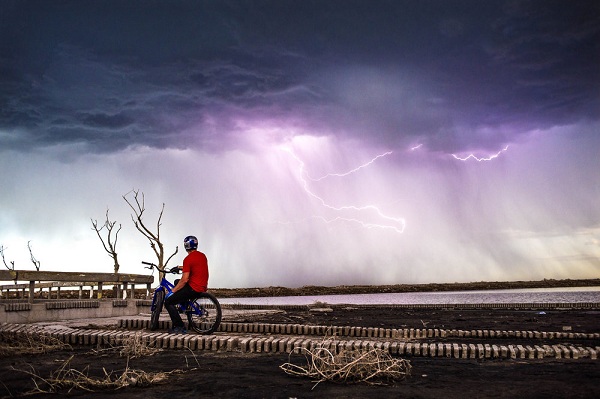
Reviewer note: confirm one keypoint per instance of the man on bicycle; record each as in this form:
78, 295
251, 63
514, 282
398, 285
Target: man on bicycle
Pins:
194, 280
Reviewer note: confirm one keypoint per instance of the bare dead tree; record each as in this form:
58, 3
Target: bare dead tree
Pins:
110, 245
35, 262
137, 204
12, 262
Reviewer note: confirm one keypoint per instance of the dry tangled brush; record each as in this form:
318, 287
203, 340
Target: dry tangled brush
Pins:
65, 379
29, 344
135, 346
375, 366
132, 346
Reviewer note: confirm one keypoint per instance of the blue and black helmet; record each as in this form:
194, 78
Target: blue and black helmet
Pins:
190, 242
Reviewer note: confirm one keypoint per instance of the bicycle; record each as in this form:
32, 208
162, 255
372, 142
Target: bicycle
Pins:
203, 312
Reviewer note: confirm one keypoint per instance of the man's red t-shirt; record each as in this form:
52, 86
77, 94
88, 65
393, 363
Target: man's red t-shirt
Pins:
197, 265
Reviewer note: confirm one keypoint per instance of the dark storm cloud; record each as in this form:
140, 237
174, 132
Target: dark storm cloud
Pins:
108, 121
456, 75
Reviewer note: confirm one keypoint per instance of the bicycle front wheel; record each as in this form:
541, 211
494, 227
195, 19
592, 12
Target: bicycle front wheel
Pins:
204, 316
156, 308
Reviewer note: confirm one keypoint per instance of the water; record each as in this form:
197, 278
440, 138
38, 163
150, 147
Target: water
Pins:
528, 295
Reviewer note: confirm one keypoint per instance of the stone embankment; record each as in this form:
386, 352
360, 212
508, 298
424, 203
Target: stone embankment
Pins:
397, 288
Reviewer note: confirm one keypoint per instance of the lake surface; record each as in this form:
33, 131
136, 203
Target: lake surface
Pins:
527, 295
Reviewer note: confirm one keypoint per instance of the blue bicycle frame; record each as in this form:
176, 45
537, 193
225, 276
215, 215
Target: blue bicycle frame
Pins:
187, 306
199, 311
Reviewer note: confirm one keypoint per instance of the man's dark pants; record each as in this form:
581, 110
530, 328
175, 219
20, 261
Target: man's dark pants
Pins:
180, 296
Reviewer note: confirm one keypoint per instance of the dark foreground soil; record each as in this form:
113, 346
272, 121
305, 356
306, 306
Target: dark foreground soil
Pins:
237, 375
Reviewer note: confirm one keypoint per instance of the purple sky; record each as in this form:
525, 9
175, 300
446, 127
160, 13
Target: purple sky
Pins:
306, 142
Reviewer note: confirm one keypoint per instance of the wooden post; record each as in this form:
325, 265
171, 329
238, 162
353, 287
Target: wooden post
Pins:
99, 290
132, 296
80, 291
31, 291
148, 289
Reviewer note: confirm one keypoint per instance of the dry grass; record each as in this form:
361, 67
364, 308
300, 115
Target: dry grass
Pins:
375, 367
29, 344
66, 379
133, 346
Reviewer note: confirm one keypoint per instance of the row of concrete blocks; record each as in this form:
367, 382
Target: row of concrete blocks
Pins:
21, 306
72, 304
25, 306
298, 345
466, 306
371, 332
533, 305
17, 307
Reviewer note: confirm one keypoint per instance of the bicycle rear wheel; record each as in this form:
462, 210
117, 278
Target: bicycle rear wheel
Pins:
156, 308
205, 316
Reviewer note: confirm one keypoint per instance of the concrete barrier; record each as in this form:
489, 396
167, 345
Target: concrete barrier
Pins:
65, 310
229, 343
361, 332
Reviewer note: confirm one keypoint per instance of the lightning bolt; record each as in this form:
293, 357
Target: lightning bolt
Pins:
395, 224
472, 156
351, 171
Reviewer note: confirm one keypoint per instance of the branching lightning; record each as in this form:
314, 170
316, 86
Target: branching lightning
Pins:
472, 156
351, 171
393, 223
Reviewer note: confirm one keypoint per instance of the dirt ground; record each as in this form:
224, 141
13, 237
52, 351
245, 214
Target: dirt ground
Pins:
258, 375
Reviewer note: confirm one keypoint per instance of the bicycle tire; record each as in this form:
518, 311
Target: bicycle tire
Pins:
156, 308
210, 319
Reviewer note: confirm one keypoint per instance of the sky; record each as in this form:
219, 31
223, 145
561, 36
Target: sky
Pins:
321, 142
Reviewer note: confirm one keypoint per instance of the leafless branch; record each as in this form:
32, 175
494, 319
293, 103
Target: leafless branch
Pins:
137, 205
12, 266
110, 245
173, 254
35, 262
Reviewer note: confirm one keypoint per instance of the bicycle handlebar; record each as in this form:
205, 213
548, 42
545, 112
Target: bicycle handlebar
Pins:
151, 265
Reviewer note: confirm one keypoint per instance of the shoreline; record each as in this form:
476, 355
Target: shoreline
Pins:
310, 290
314, 290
